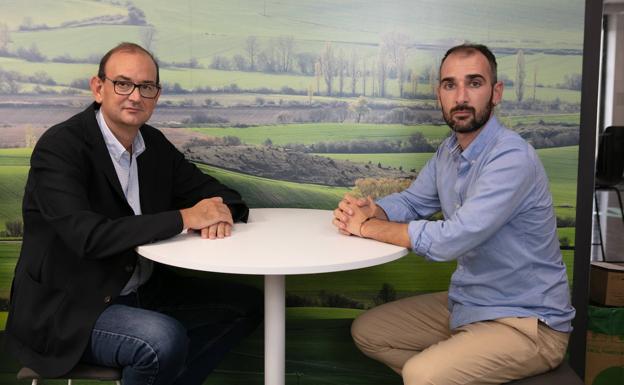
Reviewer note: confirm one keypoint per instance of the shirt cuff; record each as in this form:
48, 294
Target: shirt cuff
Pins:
421, 243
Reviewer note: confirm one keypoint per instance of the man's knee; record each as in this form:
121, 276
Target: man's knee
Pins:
417, 372
362, 334
165, 347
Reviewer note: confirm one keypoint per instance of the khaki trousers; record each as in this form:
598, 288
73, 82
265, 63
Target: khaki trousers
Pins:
412, 337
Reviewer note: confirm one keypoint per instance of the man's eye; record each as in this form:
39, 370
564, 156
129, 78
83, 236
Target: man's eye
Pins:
148, 87
124, 84
448, 86
475, 84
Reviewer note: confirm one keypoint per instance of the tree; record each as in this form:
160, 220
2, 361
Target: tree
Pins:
364, 76
136, 16
318, 74
5, 38
148, 37
328, 66
382, 73
400, 67
359, 107
353, 71
251, 48
386, 294
413, 78
534, 82
341, 67
14, 228
285, 52
306, 62
393, 45
520, 75
433, 84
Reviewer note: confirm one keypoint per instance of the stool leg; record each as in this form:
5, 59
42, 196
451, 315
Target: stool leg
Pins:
118, 382
69, 381
599, 227
34, 381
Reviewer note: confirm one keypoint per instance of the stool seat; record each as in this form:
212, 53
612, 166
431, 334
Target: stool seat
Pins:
562, 375
79, 372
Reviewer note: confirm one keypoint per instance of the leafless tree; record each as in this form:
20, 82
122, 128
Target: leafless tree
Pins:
328, 66
5, 37
285, 47
341, 67
364, 76
394, 45
382, 73
251, 48
520, 75
353, 71
318, 72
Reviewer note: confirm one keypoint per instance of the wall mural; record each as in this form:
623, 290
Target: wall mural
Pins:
294, 103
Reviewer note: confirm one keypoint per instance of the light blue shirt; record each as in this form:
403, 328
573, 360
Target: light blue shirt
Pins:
126, 167
499, 224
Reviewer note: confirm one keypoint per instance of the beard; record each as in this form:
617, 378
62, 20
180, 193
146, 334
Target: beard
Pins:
471, 123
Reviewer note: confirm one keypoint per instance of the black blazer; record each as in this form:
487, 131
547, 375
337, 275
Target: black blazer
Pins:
80, 234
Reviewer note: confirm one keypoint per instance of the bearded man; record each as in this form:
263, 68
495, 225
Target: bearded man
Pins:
507, 312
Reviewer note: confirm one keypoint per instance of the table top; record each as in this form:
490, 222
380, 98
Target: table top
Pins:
275, 242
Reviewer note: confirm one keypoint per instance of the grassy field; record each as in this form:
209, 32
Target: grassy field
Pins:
317, 132
512, 121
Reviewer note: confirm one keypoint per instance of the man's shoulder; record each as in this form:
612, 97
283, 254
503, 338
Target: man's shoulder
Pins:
75, 127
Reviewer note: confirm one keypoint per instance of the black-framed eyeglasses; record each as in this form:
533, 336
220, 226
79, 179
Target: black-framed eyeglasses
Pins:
125, 87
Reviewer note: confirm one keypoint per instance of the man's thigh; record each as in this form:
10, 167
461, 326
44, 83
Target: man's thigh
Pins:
126, 336
490, 352
394, 332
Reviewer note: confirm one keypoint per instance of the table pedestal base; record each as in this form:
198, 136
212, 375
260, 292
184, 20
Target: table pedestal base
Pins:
274, 330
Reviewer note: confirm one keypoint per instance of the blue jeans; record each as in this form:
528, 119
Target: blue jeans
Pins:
175, 330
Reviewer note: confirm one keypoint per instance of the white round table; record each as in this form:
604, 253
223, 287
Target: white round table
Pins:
274, 243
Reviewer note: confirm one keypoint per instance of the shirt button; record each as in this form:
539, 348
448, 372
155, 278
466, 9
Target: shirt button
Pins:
107, 299
129, 268
457, 205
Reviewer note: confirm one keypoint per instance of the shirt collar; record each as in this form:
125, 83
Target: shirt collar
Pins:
478, 144
115, 148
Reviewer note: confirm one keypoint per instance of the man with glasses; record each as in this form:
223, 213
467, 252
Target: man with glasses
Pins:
100, 184
507, 312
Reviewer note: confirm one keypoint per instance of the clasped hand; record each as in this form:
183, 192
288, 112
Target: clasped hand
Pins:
211, 217
352, 212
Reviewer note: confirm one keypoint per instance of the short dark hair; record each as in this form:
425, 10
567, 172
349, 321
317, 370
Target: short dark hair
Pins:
470, 48
126, 47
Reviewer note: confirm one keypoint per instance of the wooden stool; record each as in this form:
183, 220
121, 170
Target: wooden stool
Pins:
79, 372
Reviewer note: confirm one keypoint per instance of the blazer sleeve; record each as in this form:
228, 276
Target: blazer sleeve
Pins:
192, 185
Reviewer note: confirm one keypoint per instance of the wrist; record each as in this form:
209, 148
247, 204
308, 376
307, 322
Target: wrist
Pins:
362, 226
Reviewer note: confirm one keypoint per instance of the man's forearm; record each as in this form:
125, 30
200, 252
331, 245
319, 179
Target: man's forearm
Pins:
386, 231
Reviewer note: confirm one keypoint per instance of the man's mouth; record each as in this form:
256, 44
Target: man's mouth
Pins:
462, 112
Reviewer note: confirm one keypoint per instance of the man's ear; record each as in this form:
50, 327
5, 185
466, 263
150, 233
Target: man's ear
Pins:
96, 84
497, 93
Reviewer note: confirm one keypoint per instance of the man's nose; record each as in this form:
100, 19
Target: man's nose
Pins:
135, 95
461, 96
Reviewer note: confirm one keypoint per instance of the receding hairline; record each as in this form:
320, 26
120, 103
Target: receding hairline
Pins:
131, 48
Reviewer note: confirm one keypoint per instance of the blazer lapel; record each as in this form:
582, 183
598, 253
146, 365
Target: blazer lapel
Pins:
147, 164
101, 157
